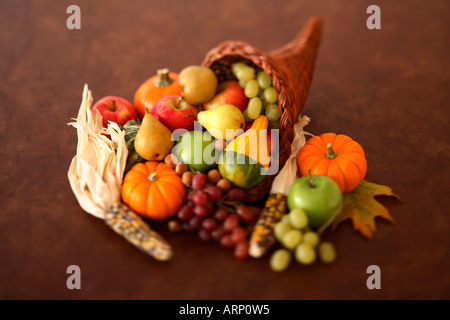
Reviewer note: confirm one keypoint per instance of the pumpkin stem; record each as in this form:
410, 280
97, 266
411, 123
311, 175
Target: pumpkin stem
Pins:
330, 153
311, 180
152, 177
163, 79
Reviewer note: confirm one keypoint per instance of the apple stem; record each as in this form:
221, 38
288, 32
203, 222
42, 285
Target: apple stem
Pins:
330, 153
152, 177
311, 180
179, 101
163, 79
114, 106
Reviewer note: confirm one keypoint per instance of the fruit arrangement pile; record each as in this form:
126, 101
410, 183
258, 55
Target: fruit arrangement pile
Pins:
196, 145
219, 150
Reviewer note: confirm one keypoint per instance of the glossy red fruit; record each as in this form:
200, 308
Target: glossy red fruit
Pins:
238, 235
246, 213
186, 212
198, 181
241, 250
114, 109
213, 192
209, 206
200, 212
231, 222
235, 194
195, 222
175, 113
228, 92
218, 233
210, 224
221, 214
199, 197
226, 241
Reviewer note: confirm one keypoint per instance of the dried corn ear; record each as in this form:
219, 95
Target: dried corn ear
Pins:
126, 223
262, 237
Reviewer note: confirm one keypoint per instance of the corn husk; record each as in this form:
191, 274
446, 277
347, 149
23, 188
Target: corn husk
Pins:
96, 171
95, 175
289, 173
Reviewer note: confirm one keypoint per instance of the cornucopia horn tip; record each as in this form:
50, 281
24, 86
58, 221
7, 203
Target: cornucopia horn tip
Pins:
291, 69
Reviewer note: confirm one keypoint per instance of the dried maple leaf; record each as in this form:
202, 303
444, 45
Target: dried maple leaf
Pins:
361, 207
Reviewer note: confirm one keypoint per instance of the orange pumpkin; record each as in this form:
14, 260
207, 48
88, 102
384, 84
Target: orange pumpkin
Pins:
336, 156
162, 84
153, 190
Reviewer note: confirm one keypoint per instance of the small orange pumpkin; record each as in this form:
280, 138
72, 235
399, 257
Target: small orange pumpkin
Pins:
162, 84
153, 190
336, 156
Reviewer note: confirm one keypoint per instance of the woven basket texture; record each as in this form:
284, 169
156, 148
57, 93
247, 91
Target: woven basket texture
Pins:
291, 69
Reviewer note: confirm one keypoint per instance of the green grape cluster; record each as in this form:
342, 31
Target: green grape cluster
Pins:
262, 95
294, 234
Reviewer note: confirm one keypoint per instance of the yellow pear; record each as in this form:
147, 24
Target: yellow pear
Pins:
153, 140
223, 121
198, 84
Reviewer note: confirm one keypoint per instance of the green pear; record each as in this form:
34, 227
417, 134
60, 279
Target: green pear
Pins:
223, 121
153, 140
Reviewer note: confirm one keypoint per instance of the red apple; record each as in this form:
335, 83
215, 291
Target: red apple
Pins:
175, 113
114, 109
228, 92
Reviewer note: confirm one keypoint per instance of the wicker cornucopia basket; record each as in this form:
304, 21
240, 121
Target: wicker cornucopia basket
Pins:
290, 68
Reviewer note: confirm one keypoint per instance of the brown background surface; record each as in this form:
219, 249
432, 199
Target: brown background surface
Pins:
388, 89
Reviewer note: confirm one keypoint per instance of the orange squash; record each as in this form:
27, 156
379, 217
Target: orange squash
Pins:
162, 84
336, 156
153, 190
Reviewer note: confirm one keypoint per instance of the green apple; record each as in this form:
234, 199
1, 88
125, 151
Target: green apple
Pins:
319, 196
196, 149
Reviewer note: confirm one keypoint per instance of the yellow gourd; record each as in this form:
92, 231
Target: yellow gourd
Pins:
253, 142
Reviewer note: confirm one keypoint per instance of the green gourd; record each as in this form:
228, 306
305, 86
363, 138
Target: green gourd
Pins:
241, 170
131, 129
